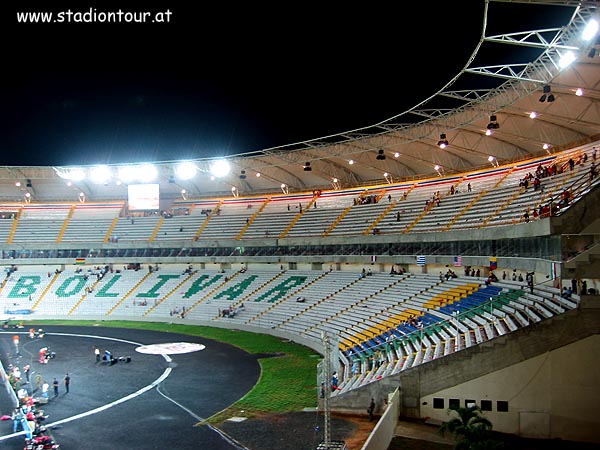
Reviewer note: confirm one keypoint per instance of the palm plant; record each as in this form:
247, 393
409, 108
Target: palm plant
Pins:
470, 428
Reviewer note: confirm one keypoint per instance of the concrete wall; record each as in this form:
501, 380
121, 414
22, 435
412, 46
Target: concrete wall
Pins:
382, 434
553, 395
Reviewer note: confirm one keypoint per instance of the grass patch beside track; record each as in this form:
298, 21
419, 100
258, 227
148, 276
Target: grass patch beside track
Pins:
288, 376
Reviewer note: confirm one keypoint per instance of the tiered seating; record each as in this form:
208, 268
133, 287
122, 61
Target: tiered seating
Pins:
135, 228
313, 293
276, 216
385, 323
236, 290
193, 290
230, 219
108, 292
91, 222
179, 227
5, 229
41, 223
66, 290
316, 221
458, 322
152, 289
286, 288
23, 288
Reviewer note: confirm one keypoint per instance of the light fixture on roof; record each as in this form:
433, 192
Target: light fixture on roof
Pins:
566, 59
380, 155
18, 184
493, 161
493, 125
234, 191
82, 197
547, 96
184, 194
335, 183
27, 197
396, 155
307, 167
532, 115
578, 92
439, 170
185, 170
546, 146
257, 174
220, 168
100, 174
443, 142
351, 162
488, 132
590, 30
147, 173
284, 188
242, 175
388, 178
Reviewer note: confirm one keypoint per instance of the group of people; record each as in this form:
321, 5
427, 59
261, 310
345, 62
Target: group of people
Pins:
231, 312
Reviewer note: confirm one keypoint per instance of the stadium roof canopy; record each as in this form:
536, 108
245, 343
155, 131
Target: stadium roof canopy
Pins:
484, 113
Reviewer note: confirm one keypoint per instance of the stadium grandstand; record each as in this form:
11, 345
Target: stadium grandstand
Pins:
450, 251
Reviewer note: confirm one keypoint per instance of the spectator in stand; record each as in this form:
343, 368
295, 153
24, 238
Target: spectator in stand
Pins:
593, 171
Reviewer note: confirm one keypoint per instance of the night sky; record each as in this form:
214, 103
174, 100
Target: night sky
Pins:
218, 80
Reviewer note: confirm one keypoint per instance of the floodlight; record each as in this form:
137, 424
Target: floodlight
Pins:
532, 115
493, 125
547, 96
71, 174
147, 173
566, 59
100, 174
351, 162
579, 92
185, 170
220, 168
443, 142
127, 174
590, 30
